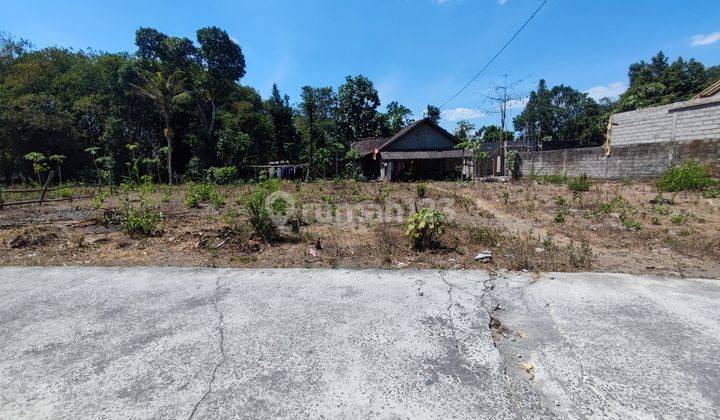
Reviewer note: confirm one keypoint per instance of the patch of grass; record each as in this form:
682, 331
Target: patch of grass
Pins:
581, 256
203, 193
662, 209
560, 201
559, 217
484, 235
579, 184
686, 177
142, 221
678, 218
422, 190
65, 192
628, 222
557, 179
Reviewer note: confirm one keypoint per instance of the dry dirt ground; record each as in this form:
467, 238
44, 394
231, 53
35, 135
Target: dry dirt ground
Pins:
528, 225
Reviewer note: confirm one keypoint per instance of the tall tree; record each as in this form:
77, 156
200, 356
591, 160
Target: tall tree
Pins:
284, 133
433, 113
357, 103
398, 116
165, 92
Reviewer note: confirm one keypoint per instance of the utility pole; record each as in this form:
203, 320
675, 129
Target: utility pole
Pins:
503, 99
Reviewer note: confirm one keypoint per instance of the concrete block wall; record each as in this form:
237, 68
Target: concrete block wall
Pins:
697, 119
635, 161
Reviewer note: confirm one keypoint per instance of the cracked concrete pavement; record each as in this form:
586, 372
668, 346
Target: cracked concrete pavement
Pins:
199, 343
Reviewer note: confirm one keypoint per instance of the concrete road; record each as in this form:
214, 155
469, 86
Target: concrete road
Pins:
181, 343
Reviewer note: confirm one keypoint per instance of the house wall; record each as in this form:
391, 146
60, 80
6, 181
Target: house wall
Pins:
638, 161
697, 119
423, 137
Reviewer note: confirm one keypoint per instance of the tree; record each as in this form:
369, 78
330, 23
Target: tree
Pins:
38, 163
317, 125
433, 113
465, 131
357, 103
397, 116
58, 159
165, 92
493, 133
284, 133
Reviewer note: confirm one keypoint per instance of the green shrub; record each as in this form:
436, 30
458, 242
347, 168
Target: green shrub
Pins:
688, 176
223, 175
203, 193
678, 219
258, 215
580, 184
425, 228
65, 192
560, 201
142, 221
485, 236
422, 190
559, 217
98, 200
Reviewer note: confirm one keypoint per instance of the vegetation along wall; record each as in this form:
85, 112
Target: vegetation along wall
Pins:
644, 143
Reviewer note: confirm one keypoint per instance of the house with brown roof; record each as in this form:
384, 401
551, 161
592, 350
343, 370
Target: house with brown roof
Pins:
421, 150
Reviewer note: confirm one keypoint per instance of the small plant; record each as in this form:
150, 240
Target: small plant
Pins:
98, 200
580, 256
65, 192
662, 209
688, 176
656, 221
628, 222
258, 214
383, 195
711, 192
142, 221
559, 217
485, 236
560, 201
678, 219
203, 193
506, 197
580, 184
425, 228
223, 175
422, 190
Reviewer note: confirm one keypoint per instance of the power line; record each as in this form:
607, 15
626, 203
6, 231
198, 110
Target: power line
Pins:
496, 55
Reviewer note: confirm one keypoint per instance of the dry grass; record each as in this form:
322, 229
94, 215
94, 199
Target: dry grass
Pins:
613, 227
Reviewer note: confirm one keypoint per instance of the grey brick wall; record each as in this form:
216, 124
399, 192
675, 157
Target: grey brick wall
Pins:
697, 119
635, 161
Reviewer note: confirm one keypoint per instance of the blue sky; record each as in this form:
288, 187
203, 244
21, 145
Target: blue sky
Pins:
415, 51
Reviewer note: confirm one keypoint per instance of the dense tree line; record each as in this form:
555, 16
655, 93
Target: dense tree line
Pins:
562, 113
172, 110
176, 108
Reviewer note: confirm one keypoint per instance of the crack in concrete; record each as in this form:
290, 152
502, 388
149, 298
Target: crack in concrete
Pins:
449, 311
221, 345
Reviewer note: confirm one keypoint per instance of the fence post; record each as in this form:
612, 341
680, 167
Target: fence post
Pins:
47, 184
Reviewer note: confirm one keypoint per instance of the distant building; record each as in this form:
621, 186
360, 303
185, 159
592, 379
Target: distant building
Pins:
421, 150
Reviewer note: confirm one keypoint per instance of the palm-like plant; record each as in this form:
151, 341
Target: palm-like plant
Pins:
58, 159
165, 91
38, 163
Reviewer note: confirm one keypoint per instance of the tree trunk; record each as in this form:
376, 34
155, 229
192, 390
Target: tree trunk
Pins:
59, 175
168, 136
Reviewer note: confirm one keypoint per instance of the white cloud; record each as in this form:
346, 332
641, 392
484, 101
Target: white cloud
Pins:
502, 2
612, 90
704, 39
458, 114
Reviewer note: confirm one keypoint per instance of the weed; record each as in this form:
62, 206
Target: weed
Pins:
656, 221
688, 176
506, 197
662, 209
425, 228
580, 256
628, 222
224, 175
560, 201
422, 190
580, 184
142, 221
259, 216
484, 236
65, 192
202, 193
678, 218
559, 217
711, 192
98, 200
